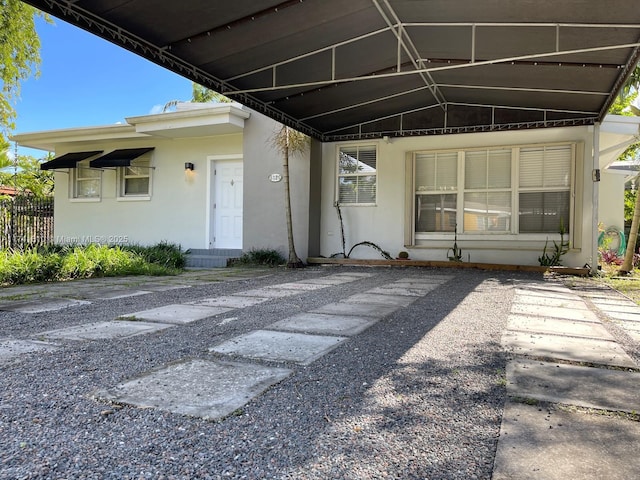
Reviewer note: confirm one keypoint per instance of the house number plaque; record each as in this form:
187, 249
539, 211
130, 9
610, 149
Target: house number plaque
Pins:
275, 177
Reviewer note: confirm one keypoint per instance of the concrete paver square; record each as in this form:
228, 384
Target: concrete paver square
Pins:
279, 346
427, 280
552, 444
177, 314
558, 326
231, 301
589, 387
41, 305
423, 288
200, 388
104, 330
352, 275
547, 294
544, 287
632, 309
613, 301
547, 301
392, 289
322, 323
627, 317
301, 286
10, 349
631, 328
567, 348
377, 299
357, 309
557, 312
270, 292
110, 294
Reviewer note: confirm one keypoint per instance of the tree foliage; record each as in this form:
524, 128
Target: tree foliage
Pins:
19, 57
27, 177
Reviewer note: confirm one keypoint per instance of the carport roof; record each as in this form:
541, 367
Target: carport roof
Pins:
338, 69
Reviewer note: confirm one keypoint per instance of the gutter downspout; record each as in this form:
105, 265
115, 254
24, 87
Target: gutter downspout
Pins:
595, 192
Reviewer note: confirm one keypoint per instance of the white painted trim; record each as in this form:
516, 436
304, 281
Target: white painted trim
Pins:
211, 160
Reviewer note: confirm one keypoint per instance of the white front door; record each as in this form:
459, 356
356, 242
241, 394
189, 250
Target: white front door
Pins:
227, 206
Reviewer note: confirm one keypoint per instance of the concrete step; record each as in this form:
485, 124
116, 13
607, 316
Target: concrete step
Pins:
211, 258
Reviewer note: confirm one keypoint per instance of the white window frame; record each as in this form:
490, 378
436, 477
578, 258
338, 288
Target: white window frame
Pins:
339, 175
76, 179
122, 177
515, 190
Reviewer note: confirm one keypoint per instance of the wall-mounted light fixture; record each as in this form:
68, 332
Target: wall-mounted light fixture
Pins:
188, 166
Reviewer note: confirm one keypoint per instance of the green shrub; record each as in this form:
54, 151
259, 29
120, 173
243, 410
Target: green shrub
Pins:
53, 263
264, 256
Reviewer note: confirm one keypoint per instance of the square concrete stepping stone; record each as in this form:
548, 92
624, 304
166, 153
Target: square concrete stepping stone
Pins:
301, 286
199, 388
544, 287
567, 348
613, 301
231, 301
42, 305
176, 314
556, 312
357, 275
557, 326
104, 330
357, 309
547, 294
551, 444
423, 288
376, 299
162, 287
631, 328
269, 292
627, 317
427, 280
550, 301
11, 349
630, 308
392, 289
588, 387
279, 346
111, 294
326, 324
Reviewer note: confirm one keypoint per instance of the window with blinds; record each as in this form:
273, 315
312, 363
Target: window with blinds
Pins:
479, 190
487, 191
135, 180
545, 188
436, 182
357, 175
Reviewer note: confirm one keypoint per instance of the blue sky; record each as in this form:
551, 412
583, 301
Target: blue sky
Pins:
87, 81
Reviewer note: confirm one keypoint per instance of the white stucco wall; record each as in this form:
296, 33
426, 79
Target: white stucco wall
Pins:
611, 200
384, 223
264, 211
176, 212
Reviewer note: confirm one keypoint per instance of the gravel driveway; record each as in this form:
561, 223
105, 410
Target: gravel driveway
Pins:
419, 395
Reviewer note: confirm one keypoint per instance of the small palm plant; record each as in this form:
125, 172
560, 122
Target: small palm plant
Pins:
289, 142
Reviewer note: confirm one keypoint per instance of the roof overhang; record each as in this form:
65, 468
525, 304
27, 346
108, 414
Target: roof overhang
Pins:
193, 120
366, 68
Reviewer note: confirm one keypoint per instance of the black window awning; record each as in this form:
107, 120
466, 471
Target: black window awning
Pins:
119, 158
68, 160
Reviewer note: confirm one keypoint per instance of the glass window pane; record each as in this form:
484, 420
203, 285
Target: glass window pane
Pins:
531, 167
544, 212
499, 174
136, 186
436, 213
475, 170
436, 172
487, 212
88, 188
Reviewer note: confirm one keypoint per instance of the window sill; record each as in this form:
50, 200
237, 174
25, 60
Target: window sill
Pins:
85, 199
141, 198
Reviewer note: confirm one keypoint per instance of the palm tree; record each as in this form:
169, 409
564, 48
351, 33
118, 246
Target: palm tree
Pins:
289, 142
630, 91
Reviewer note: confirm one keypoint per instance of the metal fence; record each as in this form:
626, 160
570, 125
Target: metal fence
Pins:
26, 222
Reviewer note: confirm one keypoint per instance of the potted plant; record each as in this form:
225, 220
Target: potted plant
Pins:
403, 255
